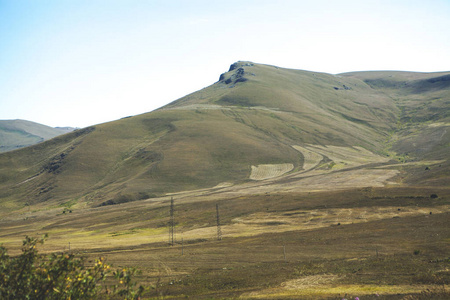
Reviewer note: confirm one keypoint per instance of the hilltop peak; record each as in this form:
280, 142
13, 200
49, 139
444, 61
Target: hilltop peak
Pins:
236, 73
240, 64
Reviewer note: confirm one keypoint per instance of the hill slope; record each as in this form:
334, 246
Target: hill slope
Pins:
422, 131
16, 134
257, 122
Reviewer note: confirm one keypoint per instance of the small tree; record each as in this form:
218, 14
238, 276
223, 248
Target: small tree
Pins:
60, 276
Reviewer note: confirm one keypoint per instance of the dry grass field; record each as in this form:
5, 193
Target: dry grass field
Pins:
315, 242
262, 172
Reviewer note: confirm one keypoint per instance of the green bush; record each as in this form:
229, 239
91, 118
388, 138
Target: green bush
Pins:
60, 276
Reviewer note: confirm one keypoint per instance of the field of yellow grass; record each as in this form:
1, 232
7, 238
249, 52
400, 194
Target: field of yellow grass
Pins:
268, 171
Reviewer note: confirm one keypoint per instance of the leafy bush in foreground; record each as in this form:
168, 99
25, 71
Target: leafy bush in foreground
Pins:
60, 276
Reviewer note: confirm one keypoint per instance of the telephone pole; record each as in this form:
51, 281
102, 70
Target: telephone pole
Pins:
171, 222
219, 230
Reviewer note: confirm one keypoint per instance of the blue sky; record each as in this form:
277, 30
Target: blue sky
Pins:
83, 62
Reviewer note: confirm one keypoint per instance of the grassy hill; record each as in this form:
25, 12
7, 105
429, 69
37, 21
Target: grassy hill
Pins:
422, 127
16, 134
328, 186
254, 115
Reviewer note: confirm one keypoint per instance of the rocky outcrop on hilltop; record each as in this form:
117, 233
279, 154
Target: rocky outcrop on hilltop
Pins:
237, 76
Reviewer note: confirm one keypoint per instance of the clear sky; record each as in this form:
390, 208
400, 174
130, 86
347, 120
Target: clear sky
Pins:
83, 62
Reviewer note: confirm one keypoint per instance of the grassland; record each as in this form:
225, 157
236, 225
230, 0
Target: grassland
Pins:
316, 234
307, 245
328, 186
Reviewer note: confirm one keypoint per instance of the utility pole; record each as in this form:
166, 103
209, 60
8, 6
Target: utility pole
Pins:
171, 223
219, 231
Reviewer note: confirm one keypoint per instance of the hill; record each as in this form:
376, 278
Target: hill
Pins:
15, 134
423, 122
286, 184
255, 119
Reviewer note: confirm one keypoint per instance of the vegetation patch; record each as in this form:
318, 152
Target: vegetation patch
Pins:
61, 276
235, 100
127, 198
156, 125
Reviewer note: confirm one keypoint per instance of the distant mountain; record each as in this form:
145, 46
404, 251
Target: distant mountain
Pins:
15, 134
258, 122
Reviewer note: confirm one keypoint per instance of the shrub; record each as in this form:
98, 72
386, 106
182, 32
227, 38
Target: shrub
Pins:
60, 276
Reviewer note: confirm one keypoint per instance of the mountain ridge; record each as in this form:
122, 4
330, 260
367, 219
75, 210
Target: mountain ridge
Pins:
15, 134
